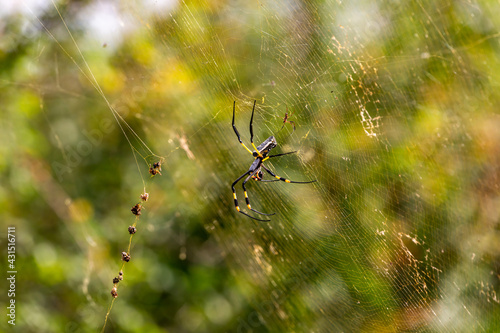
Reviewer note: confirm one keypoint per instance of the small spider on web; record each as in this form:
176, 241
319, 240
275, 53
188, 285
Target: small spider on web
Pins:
285, 120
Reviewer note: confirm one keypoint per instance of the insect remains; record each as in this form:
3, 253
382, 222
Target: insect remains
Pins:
136, 210
125, 256
155, 169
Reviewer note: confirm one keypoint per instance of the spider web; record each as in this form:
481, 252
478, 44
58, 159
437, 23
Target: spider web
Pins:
394, 107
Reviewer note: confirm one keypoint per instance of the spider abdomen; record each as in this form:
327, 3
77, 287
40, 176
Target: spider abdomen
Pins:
267, 145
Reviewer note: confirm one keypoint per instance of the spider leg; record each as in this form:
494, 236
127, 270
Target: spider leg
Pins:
291, 122
236, 131
265, 180
251, 129
259, 179
236, 200
283, 179
246, 195
277, 155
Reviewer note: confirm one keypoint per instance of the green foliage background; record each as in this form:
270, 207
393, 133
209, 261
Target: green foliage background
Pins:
397, 112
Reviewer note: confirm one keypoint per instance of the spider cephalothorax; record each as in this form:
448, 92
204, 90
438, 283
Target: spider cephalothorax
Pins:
261, 154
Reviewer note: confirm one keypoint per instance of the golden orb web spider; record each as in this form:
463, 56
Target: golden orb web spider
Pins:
260, 155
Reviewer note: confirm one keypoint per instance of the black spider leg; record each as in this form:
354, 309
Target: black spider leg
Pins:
265, 180
285, 180
251, 130
268, 180
236, 131
246, 195
277, 155
236, 200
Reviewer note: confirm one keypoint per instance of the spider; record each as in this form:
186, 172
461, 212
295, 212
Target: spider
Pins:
285, 120
260, 155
